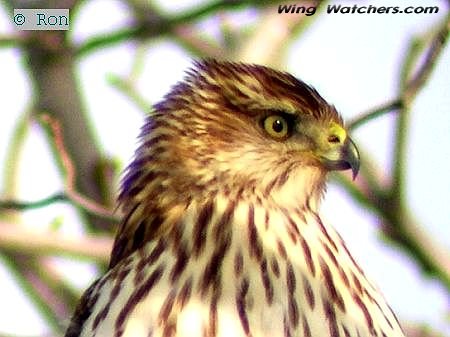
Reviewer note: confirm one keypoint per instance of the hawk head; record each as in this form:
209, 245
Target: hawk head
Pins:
232, 129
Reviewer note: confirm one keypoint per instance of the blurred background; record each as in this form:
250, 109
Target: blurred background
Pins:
72, 103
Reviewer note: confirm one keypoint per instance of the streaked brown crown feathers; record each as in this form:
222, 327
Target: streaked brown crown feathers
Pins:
190, 141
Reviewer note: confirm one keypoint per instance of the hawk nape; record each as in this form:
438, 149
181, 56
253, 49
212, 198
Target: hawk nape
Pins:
221, 234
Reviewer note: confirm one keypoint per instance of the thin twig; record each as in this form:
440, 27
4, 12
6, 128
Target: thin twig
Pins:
162, 25
90, 205
363, 118
28, 205
73, 198
410, 86
56, 132
399, 227
423, 74
69, 172
407, 96
389, 204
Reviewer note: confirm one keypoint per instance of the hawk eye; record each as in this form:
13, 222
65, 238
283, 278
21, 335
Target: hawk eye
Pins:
276, 126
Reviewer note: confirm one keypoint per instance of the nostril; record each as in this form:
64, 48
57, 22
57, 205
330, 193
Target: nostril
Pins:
333, 139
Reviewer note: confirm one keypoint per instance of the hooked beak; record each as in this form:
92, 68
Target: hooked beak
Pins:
343, 157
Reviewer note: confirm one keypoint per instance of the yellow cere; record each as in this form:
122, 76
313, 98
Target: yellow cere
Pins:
338, 131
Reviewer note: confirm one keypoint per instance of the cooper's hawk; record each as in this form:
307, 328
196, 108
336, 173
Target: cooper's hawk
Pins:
221, 234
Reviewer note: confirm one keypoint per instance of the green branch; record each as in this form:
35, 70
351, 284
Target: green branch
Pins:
389, 204
374, 113
158, 25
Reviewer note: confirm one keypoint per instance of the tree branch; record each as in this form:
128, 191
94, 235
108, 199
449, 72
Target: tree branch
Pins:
71, 196
384, 108
398, 225
18, 238
155, 24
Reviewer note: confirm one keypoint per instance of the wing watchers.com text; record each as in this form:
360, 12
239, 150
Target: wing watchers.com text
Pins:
357, 9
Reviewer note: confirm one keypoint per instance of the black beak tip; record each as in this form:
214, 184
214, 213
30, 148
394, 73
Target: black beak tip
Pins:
353, 159
355, 171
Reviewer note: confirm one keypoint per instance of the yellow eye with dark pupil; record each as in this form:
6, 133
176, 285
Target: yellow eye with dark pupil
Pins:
276, 126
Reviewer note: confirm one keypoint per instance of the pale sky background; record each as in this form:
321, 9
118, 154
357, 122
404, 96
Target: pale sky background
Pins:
353, 60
